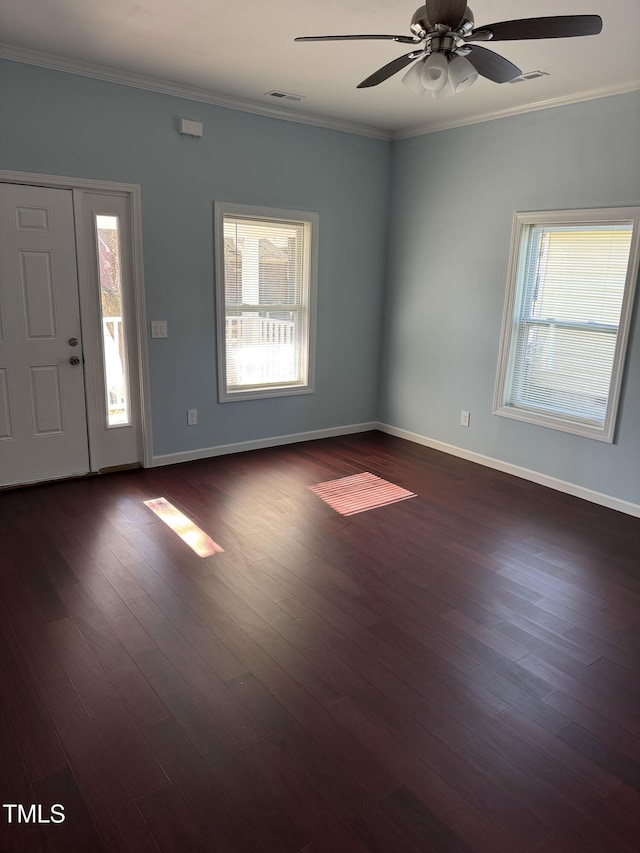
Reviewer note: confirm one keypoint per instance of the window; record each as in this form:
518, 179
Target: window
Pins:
569, 297
266, 263
114, 348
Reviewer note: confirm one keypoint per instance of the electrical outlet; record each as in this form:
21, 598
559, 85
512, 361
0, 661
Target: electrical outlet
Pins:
192, 417
159, 329
464, 418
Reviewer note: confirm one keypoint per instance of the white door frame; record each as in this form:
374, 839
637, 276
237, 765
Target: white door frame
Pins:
95, 402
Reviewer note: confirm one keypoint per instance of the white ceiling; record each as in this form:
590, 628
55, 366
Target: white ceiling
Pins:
243, 48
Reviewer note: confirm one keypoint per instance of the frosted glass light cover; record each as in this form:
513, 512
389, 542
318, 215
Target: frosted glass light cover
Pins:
435, 72
412, 79
447, 91
462, 74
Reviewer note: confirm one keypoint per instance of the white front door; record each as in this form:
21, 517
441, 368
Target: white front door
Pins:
43, 421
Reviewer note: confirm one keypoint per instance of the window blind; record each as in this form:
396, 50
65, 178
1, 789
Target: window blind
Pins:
266, 297
567, 318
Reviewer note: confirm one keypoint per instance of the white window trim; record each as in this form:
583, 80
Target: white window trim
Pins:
222, 209
521, 221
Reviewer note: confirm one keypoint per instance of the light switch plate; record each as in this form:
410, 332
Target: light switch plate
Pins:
159, 329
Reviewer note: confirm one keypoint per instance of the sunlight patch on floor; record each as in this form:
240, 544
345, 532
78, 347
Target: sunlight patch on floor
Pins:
360, 492
195, 538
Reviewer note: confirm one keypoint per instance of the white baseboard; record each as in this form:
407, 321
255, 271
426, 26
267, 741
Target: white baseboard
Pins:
534, 476
498, 464
259, 444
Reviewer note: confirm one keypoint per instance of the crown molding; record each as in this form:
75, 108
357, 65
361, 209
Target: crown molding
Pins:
192, 93
178, 90
594, 94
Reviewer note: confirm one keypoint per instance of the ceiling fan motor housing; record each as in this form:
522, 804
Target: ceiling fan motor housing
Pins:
446, 44
422, 25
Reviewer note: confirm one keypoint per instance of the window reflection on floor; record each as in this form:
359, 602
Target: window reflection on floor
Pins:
195, 538
358, 493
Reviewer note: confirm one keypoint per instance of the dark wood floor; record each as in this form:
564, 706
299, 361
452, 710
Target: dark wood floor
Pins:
456, 672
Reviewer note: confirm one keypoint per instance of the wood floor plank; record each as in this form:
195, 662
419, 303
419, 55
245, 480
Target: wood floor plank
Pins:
141, 701
373, 775
15, 788
328, 773
508, 649
605, 756
454, 810
420, 824
31, 565
625, 710
598, 724
102, 786
117, 728
624, 803
200, 677
598, 780
194, 630
172, 823
241, 606
29, 720
250, 795
77, 831
127, 628
209, 804
515, 696
601, 648
389, 684
298, 796
349, 681
27, 626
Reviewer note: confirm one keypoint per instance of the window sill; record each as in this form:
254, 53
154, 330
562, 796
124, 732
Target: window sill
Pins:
264, 393
557, 422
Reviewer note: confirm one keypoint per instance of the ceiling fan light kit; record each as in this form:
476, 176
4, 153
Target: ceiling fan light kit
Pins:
446, 59
440, 75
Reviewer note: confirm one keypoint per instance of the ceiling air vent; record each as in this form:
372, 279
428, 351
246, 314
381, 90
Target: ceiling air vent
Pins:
530, 75
284, 96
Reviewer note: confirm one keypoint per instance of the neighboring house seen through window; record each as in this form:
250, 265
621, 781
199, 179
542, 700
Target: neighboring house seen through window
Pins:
265, 287
566, 320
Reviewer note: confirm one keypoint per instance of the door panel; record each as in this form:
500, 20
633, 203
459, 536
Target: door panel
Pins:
46, 399
6, 427
38, 306
43, 427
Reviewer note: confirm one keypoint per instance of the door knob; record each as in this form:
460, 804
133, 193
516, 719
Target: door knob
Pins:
74, 360
73, 342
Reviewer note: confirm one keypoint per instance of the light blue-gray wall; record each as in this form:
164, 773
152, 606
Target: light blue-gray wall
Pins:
434, 213
61, 124
454, 194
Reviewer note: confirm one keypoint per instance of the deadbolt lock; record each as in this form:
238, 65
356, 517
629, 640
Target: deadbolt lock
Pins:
73, 342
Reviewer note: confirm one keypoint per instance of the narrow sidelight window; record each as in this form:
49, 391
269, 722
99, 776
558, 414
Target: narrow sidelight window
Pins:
114, 347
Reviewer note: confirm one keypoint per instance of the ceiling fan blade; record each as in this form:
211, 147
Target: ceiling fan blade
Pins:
449, 12
492, 66
389, 69
560, 26
401, 39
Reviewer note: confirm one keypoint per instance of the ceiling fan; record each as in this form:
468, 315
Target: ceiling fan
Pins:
446, 60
